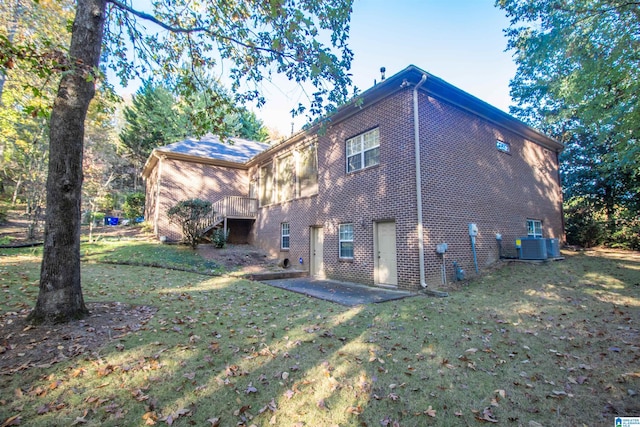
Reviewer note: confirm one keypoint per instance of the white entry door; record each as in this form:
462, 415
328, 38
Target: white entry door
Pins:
317, 253
386, 261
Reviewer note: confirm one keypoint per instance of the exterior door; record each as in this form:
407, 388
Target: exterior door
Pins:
317, 253
386, 261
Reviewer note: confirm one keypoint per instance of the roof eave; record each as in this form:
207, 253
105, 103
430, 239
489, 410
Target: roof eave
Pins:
440, 89
188, 158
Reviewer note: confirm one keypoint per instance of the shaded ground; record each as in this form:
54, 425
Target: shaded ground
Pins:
46, 345
14, 231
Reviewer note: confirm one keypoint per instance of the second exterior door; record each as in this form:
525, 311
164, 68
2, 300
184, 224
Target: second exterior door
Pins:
317, 253
386, 262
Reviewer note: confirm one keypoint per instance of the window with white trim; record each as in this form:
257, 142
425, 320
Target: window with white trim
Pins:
346, 241
534, 228
363, 150
284, 235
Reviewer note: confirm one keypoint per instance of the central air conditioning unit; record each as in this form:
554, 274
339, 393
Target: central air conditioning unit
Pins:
532, 248
553, 248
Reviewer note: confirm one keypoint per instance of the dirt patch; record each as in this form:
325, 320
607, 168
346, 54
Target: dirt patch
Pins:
240, 259
23, 345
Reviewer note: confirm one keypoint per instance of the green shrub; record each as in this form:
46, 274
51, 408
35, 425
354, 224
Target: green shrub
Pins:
133, 206
147, 227
627, 234
581, 225
194, 216
97, 217
219, 238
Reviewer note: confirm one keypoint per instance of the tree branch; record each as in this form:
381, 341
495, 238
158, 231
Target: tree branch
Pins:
181, 30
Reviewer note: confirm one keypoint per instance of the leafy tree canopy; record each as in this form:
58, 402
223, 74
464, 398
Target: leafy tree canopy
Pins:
246, 42
151, 120
578, 79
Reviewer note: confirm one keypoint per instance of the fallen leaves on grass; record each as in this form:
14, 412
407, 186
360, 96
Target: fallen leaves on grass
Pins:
430, 412
172, 417
38, 348
14, 420
486, 415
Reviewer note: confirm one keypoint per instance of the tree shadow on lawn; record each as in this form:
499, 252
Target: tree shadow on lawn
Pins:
245, 353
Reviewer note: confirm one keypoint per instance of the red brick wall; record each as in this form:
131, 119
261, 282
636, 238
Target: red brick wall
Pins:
382, 192
465, 179
181, 180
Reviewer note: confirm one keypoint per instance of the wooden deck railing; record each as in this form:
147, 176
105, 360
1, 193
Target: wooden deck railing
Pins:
236, 207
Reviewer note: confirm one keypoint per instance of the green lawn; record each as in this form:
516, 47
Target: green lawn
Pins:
555, 344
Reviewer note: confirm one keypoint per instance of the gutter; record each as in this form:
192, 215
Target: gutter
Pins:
420, 225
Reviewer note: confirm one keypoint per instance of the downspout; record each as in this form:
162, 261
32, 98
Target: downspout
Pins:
563, 234
156, 214
420, 227
416, 143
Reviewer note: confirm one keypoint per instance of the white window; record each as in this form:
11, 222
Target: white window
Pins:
284, 235
346, 241
363, 150
534, 228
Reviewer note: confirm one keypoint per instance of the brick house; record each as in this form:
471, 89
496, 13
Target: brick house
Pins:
207, 169
339, 199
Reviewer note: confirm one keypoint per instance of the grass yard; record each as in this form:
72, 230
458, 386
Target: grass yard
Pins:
556, 344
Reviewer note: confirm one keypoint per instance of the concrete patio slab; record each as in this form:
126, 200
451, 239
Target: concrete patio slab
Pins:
348, 294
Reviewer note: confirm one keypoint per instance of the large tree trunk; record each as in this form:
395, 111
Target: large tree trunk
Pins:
60, 298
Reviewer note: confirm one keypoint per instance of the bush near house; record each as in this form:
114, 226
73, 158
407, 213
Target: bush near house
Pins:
582, 225
587, 225
192, 215
219, 238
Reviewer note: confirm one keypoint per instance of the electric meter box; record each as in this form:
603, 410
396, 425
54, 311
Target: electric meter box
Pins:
441, 248
473, 230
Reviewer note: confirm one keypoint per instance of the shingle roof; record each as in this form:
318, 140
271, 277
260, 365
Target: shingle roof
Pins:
236, 150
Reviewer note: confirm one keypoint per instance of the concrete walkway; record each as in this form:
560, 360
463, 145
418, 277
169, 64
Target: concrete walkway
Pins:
349, 294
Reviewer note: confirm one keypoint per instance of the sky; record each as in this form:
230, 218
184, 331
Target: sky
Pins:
460, 41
